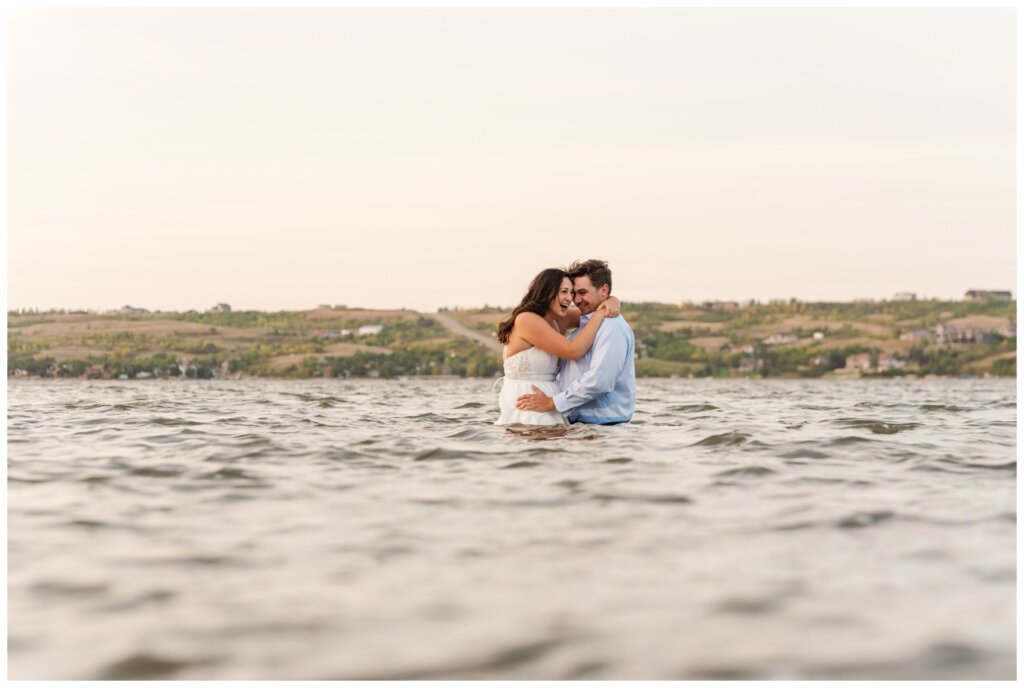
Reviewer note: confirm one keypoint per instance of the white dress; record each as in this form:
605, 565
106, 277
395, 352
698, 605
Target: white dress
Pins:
532, 367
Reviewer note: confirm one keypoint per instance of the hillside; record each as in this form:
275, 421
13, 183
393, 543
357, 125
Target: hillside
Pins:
807, 339
778, 339
290, 344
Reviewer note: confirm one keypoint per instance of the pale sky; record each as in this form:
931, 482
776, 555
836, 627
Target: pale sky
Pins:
282, 158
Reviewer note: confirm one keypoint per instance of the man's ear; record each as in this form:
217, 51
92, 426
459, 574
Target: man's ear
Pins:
604, 291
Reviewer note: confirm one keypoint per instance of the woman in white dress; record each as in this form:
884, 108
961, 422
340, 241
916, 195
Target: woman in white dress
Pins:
534, 341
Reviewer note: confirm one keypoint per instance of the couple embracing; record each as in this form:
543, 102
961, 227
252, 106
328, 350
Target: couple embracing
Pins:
552, 379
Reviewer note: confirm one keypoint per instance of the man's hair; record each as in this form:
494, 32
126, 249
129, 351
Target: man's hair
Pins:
597, 270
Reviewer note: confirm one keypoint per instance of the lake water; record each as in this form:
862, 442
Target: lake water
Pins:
386, 529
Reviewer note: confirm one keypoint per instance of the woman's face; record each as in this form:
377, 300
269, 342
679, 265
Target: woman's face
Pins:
560, 304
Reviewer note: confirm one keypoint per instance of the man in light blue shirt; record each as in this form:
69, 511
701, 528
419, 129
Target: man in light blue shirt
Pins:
600, 388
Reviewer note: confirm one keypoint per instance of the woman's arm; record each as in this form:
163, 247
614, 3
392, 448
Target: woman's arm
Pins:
569, 321
613, 305
538, 332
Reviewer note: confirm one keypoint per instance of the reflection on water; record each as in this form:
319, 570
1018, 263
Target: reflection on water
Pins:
355, 530
579, 431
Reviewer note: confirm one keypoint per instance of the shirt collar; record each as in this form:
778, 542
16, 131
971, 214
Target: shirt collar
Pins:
584, 319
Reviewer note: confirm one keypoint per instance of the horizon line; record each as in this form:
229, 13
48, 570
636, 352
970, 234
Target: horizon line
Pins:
67, 310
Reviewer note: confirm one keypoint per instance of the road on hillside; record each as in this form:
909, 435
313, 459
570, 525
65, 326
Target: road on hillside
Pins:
463, 331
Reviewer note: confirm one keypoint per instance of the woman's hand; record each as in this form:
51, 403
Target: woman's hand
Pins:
612, 306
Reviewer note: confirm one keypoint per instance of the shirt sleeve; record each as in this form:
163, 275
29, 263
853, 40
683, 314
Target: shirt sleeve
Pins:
607, 360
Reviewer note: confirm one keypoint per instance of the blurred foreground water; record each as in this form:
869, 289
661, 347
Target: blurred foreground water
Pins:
362, 530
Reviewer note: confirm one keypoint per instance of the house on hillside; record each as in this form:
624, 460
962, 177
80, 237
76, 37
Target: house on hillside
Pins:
986, 295
780, 338
858, 362
973, 335
945, 333
221, 308
905, 296
747, 366
98, 372
369, 330
890, 362
919, 334
129, 310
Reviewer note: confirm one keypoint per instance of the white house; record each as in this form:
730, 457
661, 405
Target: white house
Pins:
367, 330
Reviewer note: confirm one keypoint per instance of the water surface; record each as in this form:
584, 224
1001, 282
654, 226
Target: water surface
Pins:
386, 529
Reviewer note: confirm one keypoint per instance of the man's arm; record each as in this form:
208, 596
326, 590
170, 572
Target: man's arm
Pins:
608, 358
607, 361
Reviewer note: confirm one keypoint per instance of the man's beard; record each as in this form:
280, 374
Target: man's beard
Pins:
592, 309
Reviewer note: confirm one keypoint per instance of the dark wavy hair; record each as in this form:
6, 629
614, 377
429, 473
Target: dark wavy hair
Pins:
537, 299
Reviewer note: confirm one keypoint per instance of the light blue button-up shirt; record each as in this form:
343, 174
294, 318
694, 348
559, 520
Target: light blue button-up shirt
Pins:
600, 388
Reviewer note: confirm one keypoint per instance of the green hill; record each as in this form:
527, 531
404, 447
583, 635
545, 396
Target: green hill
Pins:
720, 339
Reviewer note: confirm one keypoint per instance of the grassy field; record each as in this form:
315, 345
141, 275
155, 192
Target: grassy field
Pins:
709, 340
672, 340
253, 343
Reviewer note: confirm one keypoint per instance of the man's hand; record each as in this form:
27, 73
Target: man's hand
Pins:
538, 401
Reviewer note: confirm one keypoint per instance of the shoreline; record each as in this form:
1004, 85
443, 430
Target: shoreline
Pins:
452, 378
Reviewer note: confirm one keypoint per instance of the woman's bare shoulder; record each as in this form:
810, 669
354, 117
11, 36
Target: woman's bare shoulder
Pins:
528, 317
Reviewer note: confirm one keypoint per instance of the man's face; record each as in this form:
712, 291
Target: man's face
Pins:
588, 298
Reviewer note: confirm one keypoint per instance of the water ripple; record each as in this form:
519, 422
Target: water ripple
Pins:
234, 529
